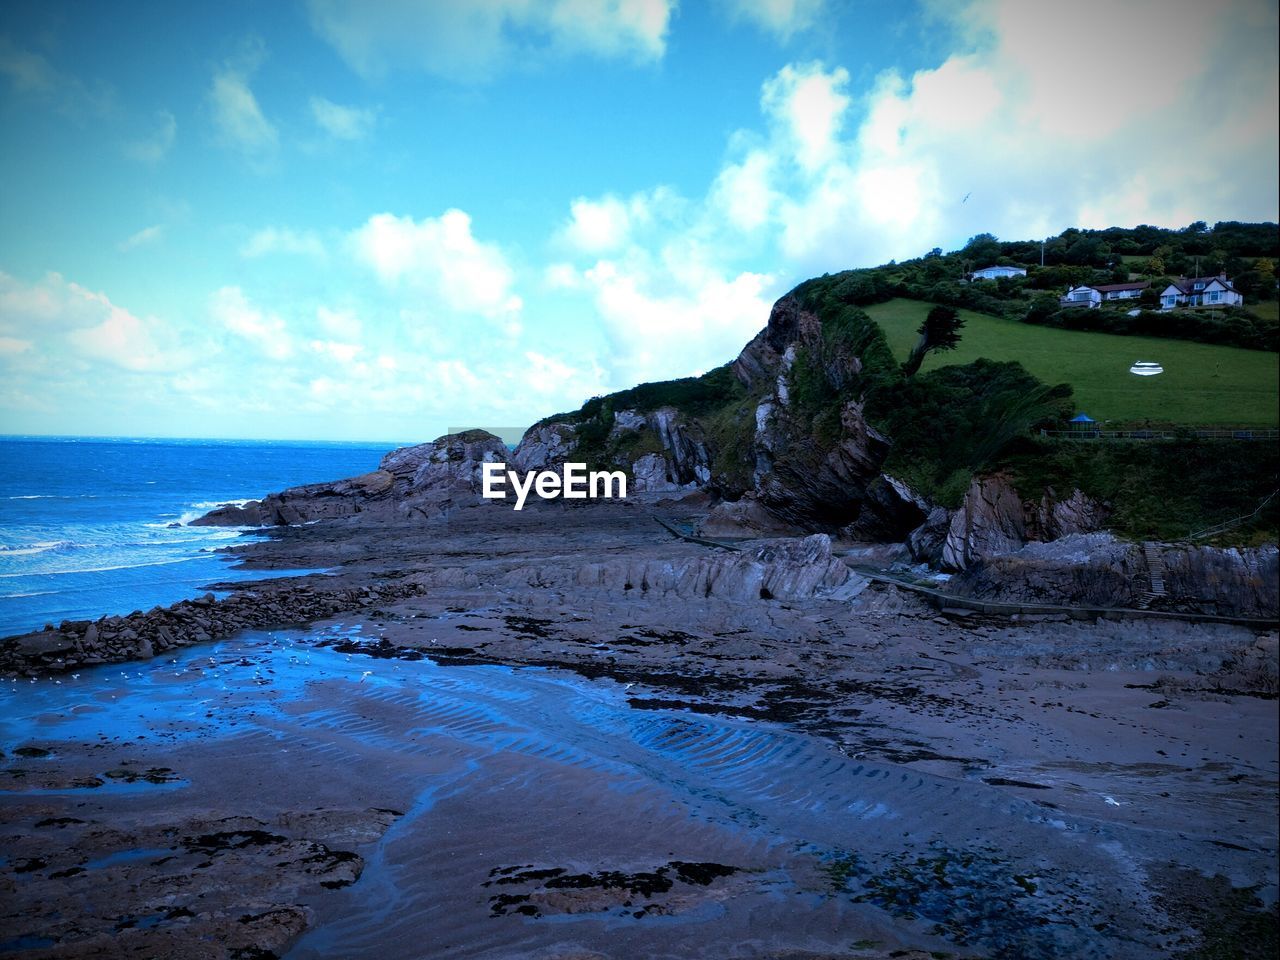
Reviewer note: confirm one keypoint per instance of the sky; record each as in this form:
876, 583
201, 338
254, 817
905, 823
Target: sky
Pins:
355, 220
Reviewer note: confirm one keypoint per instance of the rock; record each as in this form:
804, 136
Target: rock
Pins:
1094, 570
690, 461
421, 480
650, 473
890, 511
743, 518
926, 541
789, 569
1236, 581
231, 515
43, 644
990, 522
545, 445
1077, 514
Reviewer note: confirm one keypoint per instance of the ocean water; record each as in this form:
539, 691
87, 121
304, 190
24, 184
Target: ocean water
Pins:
85, 524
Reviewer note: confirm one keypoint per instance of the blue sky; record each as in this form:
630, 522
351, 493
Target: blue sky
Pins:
363, 220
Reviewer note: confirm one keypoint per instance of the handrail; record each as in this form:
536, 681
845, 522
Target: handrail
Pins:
1222, 527
1241, 434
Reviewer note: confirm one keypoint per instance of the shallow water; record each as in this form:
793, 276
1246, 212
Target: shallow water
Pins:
539, 809
91, 527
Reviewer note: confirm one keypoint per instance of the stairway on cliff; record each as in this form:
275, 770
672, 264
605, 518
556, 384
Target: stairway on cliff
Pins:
1155, 576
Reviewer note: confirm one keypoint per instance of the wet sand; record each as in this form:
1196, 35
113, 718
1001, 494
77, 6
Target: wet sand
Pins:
531, 759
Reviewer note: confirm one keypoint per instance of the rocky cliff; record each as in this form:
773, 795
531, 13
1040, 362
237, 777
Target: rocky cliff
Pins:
751, 433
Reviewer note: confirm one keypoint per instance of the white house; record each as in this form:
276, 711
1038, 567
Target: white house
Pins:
1122, 291
1081, 297
1096, 294
1200, 292
995, 273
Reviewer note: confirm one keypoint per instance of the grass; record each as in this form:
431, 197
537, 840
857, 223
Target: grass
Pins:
1266, 309
1202, 384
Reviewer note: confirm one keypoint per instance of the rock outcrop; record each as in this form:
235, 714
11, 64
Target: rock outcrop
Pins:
422, 480
791, 569
1095, 570
991, 521
141, 635
1235, 581
816, 482
1099, 570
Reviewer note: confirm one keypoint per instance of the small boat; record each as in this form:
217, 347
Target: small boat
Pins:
1146, 368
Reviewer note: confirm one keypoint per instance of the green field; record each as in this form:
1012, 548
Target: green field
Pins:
1202, 384
1266, 309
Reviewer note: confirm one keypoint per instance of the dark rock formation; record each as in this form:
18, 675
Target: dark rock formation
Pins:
990, 522
1236, 581
140, 635
422, 480
890, 511
1099, 570
789, 569
993, 521
1081, 569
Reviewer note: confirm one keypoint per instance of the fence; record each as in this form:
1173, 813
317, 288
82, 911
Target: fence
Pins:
1163, 434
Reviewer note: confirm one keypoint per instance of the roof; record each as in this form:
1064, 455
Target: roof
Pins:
1113, 287
1187, 284
1001, 266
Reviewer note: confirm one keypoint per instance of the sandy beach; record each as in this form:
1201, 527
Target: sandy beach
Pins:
547, 750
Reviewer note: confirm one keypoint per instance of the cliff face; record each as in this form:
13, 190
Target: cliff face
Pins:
758, 444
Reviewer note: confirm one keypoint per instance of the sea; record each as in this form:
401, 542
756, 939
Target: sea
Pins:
97, 526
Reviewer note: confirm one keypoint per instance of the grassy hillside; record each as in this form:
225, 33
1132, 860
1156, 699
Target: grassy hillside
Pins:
1202, 384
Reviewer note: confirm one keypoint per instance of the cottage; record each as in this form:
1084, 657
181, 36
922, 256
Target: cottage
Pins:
1084, 296
995, 273
1096, 294
1122, 291
1200, 292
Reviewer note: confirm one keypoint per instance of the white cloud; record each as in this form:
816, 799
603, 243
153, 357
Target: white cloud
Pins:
809, 104
28, 72
271, 240
782, 18
1036, 137
237, 116
474, 40
441, 259
342, 123
339, 323
231, 309
55, 319
156, 146
143, 237
31, 74
342, 352
9, 346
596, 226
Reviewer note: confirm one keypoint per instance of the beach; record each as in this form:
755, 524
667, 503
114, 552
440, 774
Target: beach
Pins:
524, 738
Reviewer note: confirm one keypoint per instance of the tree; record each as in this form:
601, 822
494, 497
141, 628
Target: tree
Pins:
940, 331
983, 247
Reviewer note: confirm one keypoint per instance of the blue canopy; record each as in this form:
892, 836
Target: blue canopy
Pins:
1082, 418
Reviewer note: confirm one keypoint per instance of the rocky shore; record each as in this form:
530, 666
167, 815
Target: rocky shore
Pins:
1064, 714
